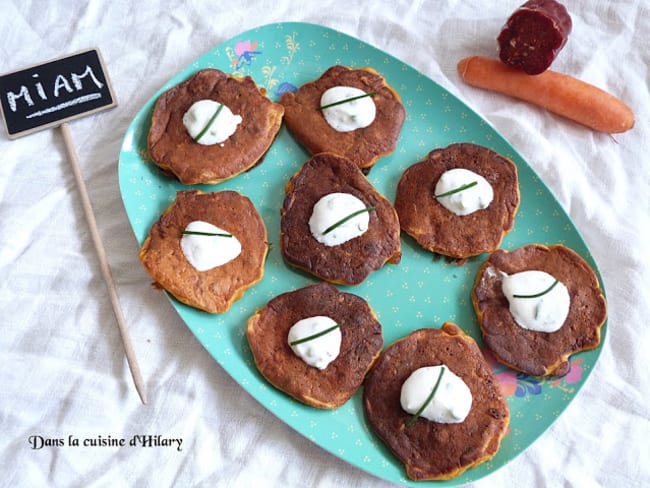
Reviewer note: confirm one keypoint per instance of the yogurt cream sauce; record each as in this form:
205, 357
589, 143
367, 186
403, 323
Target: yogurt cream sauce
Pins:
450, 404
537, 301
210, 122
333, 208
463, 192
206, 252
354, 108
319, 351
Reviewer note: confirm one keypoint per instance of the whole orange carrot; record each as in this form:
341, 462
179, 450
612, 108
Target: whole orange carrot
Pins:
556, 92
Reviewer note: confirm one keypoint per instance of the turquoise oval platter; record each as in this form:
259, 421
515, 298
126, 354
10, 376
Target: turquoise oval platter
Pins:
419, 292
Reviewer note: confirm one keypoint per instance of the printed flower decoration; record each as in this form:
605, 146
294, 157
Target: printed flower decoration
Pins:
573, 376
507, 382
513, 382
506, 378
528, 385
246, 52
285, 87
521, 384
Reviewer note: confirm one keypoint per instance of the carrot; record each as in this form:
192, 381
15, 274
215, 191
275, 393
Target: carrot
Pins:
556, 92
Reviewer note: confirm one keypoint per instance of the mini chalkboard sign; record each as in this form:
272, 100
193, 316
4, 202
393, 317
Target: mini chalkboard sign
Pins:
54, 92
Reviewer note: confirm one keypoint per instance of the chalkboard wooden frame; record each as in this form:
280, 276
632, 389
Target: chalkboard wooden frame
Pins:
48, 94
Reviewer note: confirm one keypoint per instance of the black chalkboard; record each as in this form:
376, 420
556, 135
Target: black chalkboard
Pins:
54, 92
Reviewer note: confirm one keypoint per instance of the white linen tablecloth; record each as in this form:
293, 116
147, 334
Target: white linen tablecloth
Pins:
63, 370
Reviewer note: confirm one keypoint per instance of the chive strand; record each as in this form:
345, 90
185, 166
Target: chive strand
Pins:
351, 99
417, 414
314, 336
537, 295
457, 190
345, 219
210, 234
210, 122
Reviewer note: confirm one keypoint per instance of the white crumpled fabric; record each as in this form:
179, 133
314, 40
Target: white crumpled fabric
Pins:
63, 371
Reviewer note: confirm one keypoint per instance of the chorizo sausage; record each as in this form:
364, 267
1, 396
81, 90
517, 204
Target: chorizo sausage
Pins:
533, 35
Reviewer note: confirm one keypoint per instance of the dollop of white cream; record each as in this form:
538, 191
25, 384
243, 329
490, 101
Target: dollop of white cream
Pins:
221, 128
469, 200
207, 252
546, 313
333, 208
320, 351
351, 115
451, 403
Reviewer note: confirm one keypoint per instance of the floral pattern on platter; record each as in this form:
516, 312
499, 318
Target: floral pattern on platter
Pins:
244, 53
520, 384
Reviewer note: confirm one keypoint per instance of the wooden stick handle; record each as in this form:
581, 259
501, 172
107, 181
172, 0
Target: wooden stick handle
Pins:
103, 262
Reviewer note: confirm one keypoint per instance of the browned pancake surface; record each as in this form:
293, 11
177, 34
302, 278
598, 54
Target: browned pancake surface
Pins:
173, 149
362, 146
213, 290
361, 343
437, 229
432, 450
539, 353
350, 262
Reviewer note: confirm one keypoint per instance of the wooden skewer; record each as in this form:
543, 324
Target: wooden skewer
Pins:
103, 262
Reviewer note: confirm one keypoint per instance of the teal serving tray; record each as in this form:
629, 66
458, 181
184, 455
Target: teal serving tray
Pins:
419, 292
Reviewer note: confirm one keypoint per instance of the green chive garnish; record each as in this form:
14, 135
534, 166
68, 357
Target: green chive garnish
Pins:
537, 295
351, 99
314, 336
415, 416
210, 122
199, 233
456, 190
344, 220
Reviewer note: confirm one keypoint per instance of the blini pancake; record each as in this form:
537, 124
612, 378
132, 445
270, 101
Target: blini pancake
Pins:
349, 263
438, 229
216, 289
363, 146
431, 450
533, 352
361, 343
173, 149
